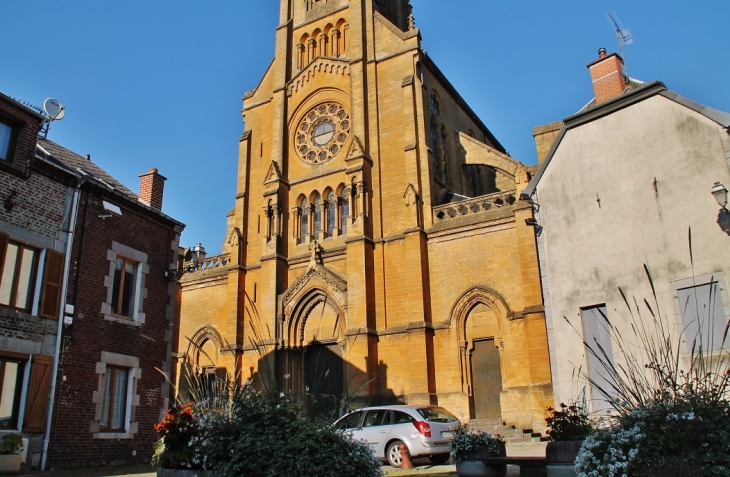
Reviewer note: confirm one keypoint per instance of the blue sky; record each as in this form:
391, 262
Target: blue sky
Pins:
159, 83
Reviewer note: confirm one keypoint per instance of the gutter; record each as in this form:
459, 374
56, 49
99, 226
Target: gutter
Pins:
59, 331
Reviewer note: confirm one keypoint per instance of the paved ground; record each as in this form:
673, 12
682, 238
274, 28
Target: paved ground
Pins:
422, 467
146, 471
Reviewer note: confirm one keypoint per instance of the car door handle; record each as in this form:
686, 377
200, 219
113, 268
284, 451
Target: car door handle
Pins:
384, 432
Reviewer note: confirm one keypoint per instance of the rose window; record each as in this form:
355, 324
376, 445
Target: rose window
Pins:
322, 133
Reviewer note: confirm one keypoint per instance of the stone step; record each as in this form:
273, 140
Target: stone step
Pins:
509, 433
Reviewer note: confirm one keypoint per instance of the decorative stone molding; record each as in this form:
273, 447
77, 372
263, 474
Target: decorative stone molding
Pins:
318, 66
316, 286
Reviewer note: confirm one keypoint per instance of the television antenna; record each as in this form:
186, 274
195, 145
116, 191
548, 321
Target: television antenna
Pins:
55, 111
623, 35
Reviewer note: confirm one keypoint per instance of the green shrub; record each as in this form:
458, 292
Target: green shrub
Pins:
12, 444
264, 436
568, 423
467, 441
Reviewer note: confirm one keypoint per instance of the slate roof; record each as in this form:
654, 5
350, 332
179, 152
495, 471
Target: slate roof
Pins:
81, 166
84, 169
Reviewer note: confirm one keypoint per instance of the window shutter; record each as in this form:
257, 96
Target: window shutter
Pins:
40, 380
52, 285
703, 316
4, 238
596, 332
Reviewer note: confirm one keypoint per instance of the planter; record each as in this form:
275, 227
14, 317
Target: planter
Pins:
185, 473
10, 463
560, 456
471, 465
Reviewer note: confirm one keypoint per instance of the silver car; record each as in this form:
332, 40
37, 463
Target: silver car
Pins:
425, 430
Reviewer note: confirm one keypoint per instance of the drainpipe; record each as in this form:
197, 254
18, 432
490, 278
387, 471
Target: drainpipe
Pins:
59, 331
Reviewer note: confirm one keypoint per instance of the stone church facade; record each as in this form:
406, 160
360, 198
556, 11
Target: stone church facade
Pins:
378, 251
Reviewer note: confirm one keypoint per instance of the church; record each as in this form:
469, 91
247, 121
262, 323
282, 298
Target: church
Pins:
377, 252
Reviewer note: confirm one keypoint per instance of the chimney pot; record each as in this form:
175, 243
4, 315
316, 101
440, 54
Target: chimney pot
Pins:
601, 52
152, 188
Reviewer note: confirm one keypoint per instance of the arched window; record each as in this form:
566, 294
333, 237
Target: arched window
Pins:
331, 210
344, 209
444, 156
304, 225
435, 107
317, 216
433, 135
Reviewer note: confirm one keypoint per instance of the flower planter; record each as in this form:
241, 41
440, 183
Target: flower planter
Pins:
560, 456
185, 473
10, 463
471, 464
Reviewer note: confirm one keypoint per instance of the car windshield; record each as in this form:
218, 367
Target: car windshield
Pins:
436, 414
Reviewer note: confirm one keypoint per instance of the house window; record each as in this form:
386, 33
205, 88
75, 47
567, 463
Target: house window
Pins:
597, 335
18, 276
125, 285
6, 141
123, 290
114, 401
703, 316
116, 397
11, 383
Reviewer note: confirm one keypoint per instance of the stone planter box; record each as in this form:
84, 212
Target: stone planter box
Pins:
471, 465
185, 473
10, 463
560, 456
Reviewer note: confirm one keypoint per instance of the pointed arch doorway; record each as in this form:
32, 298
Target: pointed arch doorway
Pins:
313, 368
478, 316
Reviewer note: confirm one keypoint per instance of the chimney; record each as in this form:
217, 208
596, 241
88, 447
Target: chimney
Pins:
544, 138
607, 74
151, 188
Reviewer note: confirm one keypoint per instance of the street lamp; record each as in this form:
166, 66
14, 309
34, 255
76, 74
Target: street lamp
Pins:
195, 257
723, 217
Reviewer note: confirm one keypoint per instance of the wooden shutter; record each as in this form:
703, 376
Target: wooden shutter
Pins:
38, 387
52, 276
597, 335
4, 238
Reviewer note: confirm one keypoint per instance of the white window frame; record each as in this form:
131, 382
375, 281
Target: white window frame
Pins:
676, 285
140, 290
135, 374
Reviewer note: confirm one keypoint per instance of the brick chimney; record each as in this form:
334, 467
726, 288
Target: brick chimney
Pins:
607, 74
151, 188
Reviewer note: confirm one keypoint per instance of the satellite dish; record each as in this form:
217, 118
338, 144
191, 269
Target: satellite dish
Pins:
54, 109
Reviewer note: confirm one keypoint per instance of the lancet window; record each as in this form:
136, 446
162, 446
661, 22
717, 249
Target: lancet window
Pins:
320, 218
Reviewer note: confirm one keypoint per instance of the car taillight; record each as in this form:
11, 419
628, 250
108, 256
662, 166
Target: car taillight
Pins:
423, 428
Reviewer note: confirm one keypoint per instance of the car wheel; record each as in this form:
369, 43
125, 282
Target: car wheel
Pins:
393, 454
439, 458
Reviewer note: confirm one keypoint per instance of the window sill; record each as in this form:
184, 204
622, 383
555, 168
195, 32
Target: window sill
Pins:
113, 435
125, 320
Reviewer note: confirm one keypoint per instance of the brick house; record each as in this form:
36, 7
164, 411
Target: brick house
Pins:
36, 197
119, 316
